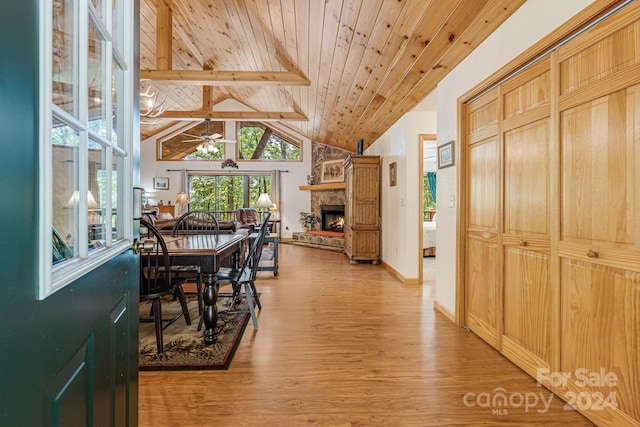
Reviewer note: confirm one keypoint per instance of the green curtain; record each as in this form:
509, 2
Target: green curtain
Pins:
431, 177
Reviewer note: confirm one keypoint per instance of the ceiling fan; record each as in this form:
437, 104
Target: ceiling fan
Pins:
208, 139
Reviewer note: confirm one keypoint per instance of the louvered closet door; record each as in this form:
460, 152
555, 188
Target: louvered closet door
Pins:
526, 230
599, 244
483, 291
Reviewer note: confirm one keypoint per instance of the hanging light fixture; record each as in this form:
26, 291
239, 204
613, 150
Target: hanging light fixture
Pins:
150, 108
207, 147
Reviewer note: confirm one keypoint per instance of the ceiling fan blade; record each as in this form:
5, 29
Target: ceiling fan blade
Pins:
192, 140
192, 136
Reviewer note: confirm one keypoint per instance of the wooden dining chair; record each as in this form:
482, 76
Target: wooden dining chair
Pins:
157, 281
190, 223
243, 280
196, 222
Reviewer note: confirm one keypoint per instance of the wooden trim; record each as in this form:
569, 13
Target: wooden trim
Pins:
406, 281
555, 333
461, 229
441, 308
330, 186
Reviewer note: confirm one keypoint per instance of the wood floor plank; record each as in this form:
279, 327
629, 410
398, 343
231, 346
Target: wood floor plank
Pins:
349, 345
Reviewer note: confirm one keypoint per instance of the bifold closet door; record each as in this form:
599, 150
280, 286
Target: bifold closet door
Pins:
599, 244
528, 300
483, 300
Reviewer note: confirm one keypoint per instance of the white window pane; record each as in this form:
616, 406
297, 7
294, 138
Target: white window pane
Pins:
96, 219
116, 77
117, 193
64, 187
65, 56
96, 80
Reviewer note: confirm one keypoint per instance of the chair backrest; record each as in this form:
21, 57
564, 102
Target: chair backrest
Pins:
248, 216
259, 241
155, 265
250, 265
196, 222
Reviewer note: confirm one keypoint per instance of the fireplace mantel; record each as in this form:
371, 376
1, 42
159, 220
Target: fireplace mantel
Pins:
330, 186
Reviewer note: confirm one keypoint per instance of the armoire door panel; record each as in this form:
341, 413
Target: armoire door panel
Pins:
482, 291
527, 302
526, 180
484, 174
600, 156
600, 318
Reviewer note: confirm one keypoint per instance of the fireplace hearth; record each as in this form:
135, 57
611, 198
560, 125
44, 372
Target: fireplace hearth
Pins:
332, 217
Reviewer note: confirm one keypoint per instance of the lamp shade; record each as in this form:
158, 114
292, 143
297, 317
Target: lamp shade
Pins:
75, 199
182, 198
264, 202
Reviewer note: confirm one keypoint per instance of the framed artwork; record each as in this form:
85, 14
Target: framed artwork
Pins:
446, 155
332, 171
393, 174
160, 183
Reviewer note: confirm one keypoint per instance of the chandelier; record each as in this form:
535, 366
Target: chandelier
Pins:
208, 147
150, 108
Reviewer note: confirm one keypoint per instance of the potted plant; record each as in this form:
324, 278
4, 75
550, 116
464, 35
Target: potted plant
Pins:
307, 221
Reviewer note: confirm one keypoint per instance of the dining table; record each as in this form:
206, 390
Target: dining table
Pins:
206, 250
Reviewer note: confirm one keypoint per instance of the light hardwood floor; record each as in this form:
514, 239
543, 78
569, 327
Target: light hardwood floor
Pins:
343, 345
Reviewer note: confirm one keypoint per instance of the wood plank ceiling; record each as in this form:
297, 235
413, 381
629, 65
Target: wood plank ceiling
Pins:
334, 71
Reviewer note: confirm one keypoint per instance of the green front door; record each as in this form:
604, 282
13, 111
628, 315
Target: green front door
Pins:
71, 358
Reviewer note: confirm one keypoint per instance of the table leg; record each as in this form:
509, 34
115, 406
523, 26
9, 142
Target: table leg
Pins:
210, 313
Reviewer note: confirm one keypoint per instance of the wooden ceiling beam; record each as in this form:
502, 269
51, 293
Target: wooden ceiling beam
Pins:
164, 37
224, 78
234, 115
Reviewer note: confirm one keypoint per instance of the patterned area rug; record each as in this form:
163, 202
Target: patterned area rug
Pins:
183, 345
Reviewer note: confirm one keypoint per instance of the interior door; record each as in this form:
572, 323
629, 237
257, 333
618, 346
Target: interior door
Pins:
71, 358
483, 290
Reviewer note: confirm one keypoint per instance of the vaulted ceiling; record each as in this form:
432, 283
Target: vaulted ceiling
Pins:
334, 71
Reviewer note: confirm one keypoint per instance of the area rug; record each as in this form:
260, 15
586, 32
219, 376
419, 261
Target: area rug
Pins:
183, 345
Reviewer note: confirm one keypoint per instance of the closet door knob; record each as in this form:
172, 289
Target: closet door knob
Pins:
523, 243
592, 254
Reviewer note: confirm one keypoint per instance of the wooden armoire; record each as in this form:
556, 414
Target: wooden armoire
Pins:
552, 243
362, 208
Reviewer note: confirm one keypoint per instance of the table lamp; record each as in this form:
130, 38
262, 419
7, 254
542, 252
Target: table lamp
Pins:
264, 202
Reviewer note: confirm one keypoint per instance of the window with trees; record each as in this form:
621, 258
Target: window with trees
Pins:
193, 143
258, 141
224, 193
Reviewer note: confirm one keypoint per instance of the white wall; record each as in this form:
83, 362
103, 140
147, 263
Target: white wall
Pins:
527, 25
401, 204
292, 200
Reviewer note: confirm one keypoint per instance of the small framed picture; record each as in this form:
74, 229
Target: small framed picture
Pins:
393, 174
332, 171
160, 183
446, 155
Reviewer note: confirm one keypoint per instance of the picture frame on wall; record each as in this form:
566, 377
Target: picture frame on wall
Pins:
446, 155
160, 183
393, 174
332, 171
